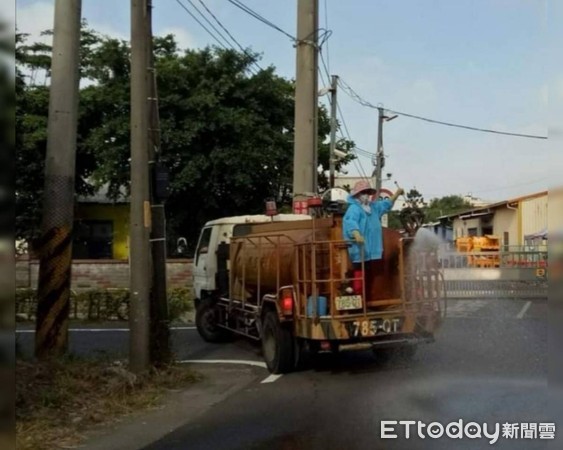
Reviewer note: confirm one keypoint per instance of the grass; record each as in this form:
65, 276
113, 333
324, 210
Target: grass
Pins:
58, 401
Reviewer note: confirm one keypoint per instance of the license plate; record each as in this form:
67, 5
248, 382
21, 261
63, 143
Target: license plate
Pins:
375, 327
348, 302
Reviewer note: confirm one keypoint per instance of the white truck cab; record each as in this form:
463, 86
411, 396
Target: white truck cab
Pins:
212, 235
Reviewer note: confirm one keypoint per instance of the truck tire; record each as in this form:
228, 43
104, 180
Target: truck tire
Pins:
206, 319
278, 345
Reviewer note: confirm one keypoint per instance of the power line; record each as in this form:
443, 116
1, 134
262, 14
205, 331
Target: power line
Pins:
229, 34
262, 19
199, 22
230, 46
357, 163
357, 98
210, 23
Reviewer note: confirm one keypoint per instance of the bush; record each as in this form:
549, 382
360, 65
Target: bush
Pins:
101, 304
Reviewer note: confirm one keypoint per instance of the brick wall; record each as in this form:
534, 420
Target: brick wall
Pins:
102, 274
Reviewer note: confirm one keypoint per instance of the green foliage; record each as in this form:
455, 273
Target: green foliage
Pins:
443, 206
226, 134
102, 304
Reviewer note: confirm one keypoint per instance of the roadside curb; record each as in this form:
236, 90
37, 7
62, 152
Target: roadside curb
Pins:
178, 409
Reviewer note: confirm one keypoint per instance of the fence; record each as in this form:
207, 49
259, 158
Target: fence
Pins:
515, 257
103, 274
516, 272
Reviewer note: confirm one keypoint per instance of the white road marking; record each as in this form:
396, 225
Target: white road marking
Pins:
269, 379
100, 330
273, 377
523, 310
224, 361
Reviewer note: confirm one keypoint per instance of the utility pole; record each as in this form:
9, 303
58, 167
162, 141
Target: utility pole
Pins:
51, 337
333, 106
379, 158
159, 332
306, 104
140, 216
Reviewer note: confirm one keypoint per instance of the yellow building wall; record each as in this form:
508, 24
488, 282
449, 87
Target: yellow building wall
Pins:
118, 214
506, 221
534, 216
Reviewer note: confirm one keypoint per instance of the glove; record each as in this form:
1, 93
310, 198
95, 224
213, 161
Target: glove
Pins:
358, 237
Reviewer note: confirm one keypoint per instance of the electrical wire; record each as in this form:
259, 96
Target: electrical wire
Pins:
230, 46
262, 19
357, 98
229, 33
210, 23
357, 163
201, 24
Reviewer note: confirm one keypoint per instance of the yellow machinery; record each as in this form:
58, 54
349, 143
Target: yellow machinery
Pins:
484, 250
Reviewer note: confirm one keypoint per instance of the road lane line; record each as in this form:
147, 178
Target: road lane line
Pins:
224, 361
523, 310
273, 377
100, 330
269, 379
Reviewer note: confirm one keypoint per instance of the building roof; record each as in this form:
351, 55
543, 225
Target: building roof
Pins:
485, 210
258, 218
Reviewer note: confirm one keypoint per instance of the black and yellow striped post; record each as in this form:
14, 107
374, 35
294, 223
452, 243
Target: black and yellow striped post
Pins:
55, 246
51, 337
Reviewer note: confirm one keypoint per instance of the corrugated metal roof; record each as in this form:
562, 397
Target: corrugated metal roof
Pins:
492, 206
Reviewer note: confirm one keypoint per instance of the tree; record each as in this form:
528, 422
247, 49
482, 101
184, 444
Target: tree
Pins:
227, 134
443, 206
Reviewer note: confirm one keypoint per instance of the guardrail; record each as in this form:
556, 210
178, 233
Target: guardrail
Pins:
502, 259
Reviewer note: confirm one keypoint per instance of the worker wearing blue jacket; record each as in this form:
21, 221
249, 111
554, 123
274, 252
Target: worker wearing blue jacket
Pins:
362, 222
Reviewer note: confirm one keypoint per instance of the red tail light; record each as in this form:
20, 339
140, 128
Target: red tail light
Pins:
287, 305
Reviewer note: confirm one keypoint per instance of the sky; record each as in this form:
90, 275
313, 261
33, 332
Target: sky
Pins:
482, 63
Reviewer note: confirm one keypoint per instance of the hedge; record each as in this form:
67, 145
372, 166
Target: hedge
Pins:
101, 304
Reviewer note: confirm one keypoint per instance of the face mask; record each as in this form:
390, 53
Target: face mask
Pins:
364, 198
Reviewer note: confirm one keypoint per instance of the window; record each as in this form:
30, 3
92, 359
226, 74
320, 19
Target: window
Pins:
203, 244
505, 241
487, 230
472, 231
93, 239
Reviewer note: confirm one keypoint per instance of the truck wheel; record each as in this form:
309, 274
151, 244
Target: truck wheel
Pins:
206, 319
278, 345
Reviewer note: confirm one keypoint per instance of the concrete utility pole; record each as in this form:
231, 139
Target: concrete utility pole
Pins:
159, 332
379, 156
140, 216
55, 247
306, 104
379, 159
333, 106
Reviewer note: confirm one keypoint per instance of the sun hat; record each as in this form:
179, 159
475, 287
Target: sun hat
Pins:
362, 186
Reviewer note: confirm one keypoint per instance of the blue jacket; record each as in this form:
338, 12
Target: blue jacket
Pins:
369, 226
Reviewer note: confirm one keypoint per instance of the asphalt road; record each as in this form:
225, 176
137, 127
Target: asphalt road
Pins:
488, 365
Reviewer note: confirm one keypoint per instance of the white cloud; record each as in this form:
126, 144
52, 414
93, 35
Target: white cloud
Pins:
36, 17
